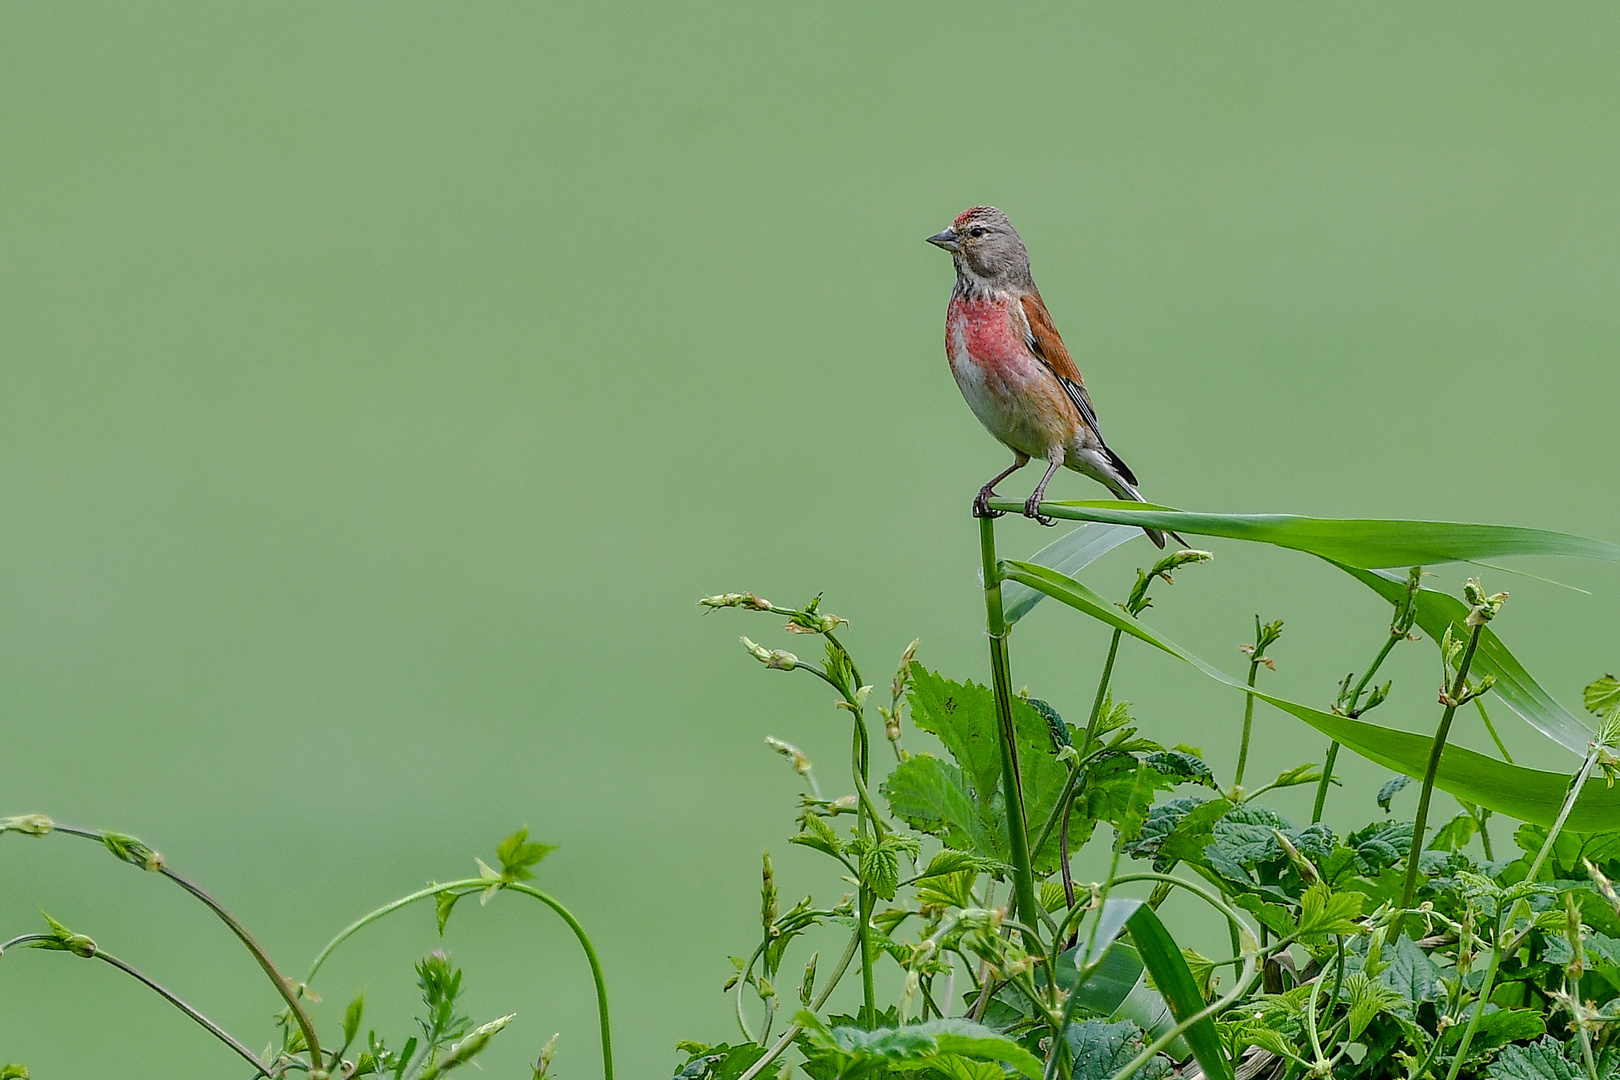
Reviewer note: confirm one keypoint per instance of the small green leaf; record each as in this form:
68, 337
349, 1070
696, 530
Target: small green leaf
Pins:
13, 1072
1391, 787
517, 855
1603, 697
351, 1018
1454, 834
444, 902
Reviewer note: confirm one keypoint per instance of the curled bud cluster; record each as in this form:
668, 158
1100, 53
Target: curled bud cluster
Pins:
1481, 608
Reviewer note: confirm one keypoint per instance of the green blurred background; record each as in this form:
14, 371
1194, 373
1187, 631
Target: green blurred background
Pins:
380, 385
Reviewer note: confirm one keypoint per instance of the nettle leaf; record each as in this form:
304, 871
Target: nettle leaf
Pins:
1497, 1027
1245, 834
1391, 788
963, 716
1543, 1060
1323, 912
722, 1062
1411, 974
934, 796
1098, 1050
1274, 917
517, 856
1367, 999
857, 1051
1454, 834
1181, 767
1381, 844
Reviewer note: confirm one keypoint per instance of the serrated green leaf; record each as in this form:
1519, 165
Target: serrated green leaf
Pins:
1543, 1060
1603, 697
1323, 912
1454, 834
1411, 974
933, 796
859, 1051
1497, 1027
1098, 1049
517, 855
1367, 999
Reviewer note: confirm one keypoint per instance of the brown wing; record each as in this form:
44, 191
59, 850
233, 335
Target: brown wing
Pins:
1043, 340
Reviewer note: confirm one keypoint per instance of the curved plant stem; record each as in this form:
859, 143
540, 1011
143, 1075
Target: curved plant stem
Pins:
162, 991
174, 999
283, 987
1438, 748
596, 967
1001, 680
366, 920
793, 1030
478, 883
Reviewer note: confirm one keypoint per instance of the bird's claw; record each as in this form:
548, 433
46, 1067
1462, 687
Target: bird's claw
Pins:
981, 505
1032, 509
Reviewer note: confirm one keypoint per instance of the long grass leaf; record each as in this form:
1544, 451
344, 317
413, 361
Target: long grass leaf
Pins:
1068, 554
1175, 981
1368, 543
1527, 794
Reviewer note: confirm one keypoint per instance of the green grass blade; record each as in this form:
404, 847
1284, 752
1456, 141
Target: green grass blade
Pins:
1068, 554
1172, 977
1368, 543
1514, 685
1527, 794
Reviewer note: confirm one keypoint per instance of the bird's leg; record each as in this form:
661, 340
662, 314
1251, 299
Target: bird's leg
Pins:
981, 502
1032, 505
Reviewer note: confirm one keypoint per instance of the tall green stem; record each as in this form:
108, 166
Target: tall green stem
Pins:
1505, 922
1436, 749
1248, 723
1353, 711
1001, 681
1102, 693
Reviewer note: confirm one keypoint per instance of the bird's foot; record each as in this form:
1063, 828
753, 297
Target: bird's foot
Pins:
1032, 509
981, 504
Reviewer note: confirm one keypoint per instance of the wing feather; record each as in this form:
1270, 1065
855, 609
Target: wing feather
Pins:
1044, 341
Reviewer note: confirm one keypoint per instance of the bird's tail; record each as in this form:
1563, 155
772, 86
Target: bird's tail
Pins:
1126, 491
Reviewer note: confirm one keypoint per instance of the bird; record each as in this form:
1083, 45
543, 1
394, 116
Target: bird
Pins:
1013, 368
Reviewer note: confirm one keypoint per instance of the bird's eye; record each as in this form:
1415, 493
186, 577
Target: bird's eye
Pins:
977, 230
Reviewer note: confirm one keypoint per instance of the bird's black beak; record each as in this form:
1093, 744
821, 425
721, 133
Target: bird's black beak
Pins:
947, 240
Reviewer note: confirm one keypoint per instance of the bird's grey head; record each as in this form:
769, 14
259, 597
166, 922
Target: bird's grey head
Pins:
985, 245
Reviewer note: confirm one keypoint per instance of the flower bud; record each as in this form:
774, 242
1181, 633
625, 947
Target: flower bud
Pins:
801, 764
736, 599
771, 658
